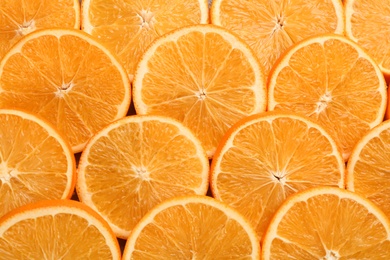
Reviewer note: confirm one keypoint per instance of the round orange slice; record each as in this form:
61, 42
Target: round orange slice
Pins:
137, 162
271, 27
67, 77
56, 229
204, 76
127, 27
19, 18
333, 81
368, 167
327, 223
36, 163
265, 158
192, 227
367, 21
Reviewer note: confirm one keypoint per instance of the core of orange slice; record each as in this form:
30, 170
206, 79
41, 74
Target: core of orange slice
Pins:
333, 81
128, 27
265, 158
36, 163
137, 162
270, 27
20, 17
67, 77
56, 229
368, 167
203, 76
367, 23
327, 223
192, 227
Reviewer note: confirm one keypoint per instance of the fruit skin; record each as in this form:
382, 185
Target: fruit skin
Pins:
387, 114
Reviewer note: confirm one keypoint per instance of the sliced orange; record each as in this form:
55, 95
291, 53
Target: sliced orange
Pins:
327, 223
56, 229
368, 167
203, 76
137, 162
333, 81
128, 27
367, 23
20, 17
36, 163
192, 227
265, 158
67, 77
270, 27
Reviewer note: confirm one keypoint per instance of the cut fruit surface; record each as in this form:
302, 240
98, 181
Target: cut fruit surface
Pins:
270, 27
203, 76
368, 167
56, 229
265, 158
36, 163
333, 81
137, 162
327, 223
19, 18
192, 227
128, 27
67, 77
366, 21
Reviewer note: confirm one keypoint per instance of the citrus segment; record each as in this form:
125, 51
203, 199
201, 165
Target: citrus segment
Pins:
327, 223
19, 18
333, 81
68, 78
270, 27
128, 27
367, 169
56, 229
203, 76
367, 21
137, 162
202, 228
36, 163
265, 158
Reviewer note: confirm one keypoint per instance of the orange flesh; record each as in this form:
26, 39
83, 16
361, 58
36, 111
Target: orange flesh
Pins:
19, 17
205, 85
33, 165
63, 84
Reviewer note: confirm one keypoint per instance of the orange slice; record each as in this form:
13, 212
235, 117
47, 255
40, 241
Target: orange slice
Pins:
265, 158
128, 27
333, 81
327, 223
137, 162
270, 27
192, 227
203, 76
56, 229
367, 21
36, 163
368, 167
19, 17
68, 78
